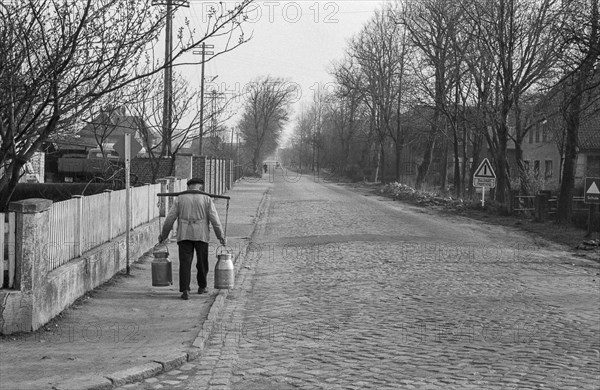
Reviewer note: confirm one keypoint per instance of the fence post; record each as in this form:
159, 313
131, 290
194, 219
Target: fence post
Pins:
208, 180
163, 200
205, 173
18, 311
228, 174
79, 225
214, 175
109, 211
223, 182
171, 183
223, 186
218, 177
542, 198
231, 174
148, 202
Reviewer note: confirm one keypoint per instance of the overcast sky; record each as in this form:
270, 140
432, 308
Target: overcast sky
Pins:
296, 40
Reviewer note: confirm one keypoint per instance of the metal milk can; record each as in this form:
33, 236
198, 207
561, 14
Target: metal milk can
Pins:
162, 269
224, 271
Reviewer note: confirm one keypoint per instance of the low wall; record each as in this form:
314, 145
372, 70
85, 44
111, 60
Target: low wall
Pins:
42, 295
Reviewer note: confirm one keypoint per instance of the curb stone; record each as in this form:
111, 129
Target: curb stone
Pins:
136, 373
88, 382
174, 360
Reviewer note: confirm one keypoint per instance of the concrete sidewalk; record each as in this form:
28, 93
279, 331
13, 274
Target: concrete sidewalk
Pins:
127, 330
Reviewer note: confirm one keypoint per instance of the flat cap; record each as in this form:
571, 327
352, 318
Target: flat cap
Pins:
195, 180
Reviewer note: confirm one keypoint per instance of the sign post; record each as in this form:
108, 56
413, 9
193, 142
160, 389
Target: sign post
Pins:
592, 190
127, 196
484, 177
591, 196
126, 146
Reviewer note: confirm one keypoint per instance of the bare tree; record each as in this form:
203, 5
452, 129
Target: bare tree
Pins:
302, 136
344, 118
348, 76
580, 59
376, 68
517, 42
266, 111
432, 26
59, 57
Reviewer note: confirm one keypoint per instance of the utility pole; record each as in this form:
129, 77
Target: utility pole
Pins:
168, 77
203, 52
237, 144
232, 130
214, 95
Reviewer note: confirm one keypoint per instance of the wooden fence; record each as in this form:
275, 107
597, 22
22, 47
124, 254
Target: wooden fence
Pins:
579, 205
85, 222
82, 223
63, 231
523, 204
7, 246
526, 205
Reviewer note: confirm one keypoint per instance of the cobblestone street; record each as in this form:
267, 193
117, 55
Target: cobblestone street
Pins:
340, 290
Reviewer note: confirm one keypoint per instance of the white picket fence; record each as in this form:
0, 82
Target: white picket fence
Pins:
83, 223
80, 224
7, 248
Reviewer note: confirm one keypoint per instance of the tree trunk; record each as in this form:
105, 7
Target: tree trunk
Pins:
255, 157
525, 190
377, 159
382, 162
500, 155
457, 175
423, 168
523, 180
398, 168
465, 161
477, 144
565, 199
444, 170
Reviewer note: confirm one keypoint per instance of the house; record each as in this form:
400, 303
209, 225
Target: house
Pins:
543, 150
106, 128
588, 162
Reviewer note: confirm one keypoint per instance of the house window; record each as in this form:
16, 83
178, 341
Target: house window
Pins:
536, 168
545, 135
548, 169
593, 166
530, 136
537, 135
526, 165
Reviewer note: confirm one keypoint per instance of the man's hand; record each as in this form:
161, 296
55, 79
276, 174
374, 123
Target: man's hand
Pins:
223, 241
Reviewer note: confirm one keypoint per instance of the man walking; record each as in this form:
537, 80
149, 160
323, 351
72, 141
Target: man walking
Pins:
193, 211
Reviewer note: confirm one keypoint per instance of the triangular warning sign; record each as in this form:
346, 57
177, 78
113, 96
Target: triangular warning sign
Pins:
485, 170
593, 189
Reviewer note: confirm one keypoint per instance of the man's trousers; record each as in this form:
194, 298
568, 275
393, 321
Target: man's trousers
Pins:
186, 257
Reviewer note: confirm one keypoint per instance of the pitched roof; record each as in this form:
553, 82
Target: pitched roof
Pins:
589, 134
107, 127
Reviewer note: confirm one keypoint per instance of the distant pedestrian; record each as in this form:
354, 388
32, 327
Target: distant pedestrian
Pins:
193, 211
265, 167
